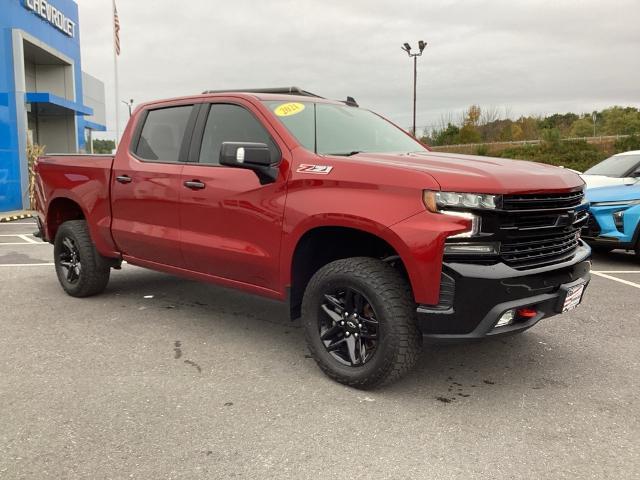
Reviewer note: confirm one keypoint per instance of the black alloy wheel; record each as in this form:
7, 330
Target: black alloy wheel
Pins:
81, 270
69, 260
348, 327
359, 321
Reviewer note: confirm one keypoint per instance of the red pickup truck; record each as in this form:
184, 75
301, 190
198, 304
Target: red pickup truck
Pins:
375, 241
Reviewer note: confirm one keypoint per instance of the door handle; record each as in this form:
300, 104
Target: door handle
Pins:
194, 184
124, 179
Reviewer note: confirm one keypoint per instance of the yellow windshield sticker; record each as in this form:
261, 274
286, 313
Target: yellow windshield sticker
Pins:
287, 109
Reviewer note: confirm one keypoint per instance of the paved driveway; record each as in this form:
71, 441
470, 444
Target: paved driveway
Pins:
161, 377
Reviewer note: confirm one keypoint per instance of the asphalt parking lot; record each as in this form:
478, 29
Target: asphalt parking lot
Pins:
161, 377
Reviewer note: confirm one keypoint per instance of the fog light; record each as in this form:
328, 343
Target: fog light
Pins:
471, 248
526, 313
618, 220
506, 318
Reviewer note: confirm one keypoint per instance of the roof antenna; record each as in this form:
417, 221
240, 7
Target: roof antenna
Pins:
351, 102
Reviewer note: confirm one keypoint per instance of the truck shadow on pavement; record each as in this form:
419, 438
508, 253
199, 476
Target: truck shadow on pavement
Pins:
617, 258
448, 373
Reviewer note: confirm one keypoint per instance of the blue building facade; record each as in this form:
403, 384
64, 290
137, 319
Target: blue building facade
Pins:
45, 98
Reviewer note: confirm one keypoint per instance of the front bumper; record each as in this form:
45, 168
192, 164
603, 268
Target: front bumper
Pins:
475, 296
601, 229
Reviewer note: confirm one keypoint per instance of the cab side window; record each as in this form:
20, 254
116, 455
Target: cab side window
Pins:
231, 123
163, 133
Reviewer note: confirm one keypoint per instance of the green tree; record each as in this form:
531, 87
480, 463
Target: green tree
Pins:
516, 132
583, 127
627, 143
506, 132
449, 136
621, 121
550, 137
469, 134
561, 121
103, 146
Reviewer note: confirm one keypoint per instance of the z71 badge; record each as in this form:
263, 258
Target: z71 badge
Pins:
317, 169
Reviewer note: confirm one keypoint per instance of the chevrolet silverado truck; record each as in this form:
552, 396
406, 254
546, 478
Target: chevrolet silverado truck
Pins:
373, 240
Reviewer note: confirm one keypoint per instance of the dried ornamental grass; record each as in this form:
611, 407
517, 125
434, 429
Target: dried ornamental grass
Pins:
33, 152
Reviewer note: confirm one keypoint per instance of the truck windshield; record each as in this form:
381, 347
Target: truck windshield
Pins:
330, 129
617, 166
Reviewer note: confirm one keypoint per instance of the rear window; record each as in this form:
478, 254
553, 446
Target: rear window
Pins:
163, 133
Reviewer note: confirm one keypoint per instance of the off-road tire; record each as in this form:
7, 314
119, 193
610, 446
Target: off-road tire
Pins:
95, 269
390, 296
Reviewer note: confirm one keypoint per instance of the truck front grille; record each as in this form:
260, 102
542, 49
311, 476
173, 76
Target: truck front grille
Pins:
539, 230
546, 201
542, 251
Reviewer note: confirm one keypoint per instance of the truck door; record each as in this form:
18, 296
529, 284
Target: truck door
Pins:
146, 186
231, 224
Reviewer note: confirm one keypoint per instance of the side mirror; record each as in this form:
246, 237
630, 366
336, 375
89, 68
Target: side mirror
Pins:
252, 156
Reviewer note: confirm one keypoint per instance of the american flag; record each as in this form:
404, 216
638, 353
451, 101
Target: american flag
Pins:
116, 29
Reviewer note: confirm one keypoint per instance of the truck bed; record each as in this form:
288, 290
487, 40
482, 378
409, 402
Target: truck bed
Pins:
83, 179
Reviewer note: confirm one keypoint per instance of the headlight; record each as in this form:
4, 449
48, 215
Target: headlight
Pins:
617, 203
450, 203
436, 201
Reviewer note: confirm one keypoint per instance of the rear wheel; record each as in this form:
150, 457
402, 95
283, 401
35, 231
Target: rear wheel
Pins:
81, 270
359, 322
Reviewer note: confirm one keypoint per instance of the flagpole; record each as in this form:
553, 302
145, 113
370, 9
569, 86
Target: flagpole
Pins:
115, 73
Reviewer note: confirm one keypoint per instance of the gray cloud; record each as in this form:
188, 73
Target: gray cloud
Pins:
528, 56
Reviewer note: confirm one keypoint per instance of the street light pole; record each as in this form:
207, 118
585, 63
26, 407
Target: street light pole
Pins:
415, 81
129, 104
407, 48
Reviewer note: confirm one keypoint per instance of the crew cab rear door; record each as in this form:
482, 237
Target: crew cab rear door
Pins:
146, 185
231, 223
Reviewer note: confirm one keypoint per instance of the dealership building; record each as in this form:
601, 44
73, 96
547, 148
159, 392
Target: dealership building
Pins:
45, 97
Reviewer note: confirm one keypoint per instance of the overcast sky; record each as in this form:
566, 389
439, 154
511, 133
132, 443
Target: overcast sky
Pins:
524, 57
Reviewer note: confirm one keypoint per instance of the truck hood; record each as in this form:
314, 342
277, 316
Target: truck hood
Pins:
469, 173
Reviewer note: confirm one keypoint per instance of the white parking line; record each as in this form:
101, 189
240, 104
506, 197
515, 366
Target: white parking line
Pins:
8, 224
34, 244
615, 279
27, 238
615, 271
26, 264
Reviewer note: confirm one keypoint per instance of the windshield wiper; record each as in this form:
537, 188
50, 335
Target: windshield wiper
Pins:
348, 154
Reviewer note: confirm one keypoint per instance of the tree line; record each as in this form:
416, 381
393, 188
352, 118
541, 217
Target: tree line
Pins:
477, 125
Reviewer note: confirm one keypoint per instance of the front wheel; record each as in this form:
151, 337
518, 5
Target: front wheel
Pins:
81, 270
360, 323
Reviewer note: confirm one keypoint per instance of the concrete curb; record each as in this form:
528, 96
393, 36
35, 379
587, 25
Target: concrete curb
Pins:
14, 217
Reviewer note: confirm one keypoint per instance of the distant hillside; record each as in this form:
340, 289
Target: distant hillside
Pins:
552, 139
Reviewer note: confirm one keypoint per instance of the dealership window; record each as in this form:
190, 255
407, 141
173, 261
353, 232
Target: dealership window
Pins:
162, 133
231, 123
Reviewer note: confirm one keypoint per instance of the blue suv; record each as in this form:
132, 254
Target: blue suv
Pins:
614, 218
